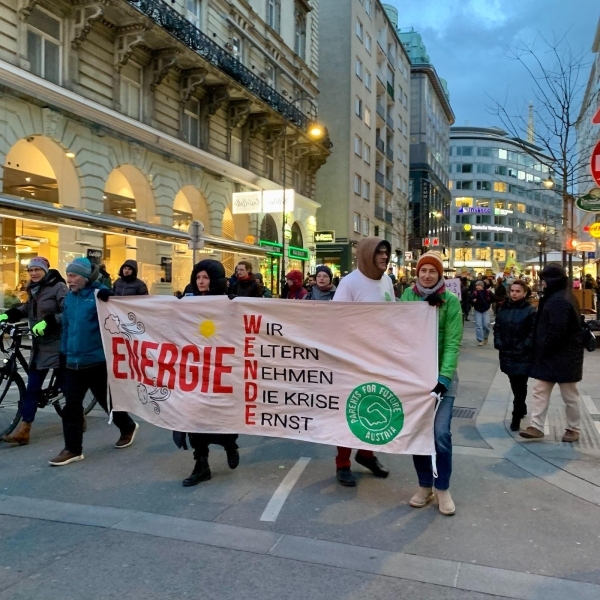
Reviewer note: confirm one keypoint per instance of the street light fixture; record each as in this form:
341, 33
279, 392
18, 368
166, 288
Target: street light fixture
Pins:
548, 183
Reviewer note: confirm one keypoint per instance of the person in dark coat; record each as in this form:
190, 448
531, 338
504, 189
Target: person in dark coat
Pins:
47, 290
557, 353
103, 276
500, 294
128, 283
323, 289
246, 284
208, 279
513, 338
465, 298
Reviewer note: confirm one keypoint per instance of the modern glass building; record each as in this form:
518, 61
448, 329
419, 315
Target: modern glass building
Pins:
502, 207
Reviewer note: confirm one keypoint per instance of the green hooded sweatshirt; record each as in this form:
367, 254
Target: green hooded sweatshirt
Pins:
450, 329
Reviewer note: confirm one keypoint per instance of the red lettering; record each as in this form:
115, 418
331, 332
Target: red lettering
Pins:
167, 365
248, 346
220, 370
250, 391
118, 357
250, 414
134, 366
250, 369
147, 362
194, 353
252, 324
206, 370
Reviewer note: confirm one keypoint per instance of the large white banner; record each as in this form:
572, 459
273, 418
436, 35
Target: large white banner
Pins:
349, 374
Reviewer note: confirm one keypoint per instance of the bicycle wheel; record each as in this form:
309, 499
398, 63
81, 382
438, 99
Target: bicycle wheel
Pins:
12, 391
88, 403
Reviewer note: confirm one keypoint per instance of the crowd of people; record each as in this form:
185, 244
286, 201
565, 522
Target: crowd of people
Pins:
544, 344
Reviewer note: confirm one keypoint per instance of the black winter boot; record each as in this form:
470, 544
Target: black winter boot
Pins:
371, 463
200, 473
233, 457
515, 424
345, 476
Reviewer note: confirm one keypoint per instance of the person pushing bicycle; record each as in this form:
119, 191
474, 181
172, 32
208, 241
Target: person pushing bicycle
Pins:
43, 309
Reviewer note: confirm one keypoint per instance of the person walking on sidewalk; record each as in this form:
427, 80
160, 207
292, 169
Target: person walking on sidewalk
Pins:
81, 347
513, 338
431, 288
207, 279
482, 301
47, 290
557, 354
128, 283
368, 283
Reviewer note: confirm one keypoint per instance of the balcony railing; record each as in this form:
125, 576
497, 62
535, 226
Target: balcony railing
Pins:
381, 110
389, 186
389, 153
379, 212
388, 217
390, 122
379, 144
181, 29
380, 178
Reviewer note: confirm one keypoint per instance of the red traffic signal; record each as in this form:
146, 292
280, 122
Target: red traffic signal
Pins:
572, 244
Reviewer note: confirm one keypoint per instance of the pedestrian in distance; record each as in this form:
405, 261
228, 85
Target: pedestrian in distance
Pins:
207, 279
500, 294
391, 275
310, 281
482, 301
43, 309
293, 288
431, 288
557, 354
266, 292
323, 289
513, 338
246, 285
128, 283
401, 285
465, 298
103, 277
368, 283
83, 356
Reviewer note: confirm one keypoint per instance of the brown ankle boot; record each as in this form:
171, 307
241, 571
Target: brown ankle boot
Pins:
20, 435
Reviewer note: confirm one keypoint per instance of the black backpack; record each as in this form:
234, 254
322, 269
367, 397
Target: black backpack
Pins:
589, 339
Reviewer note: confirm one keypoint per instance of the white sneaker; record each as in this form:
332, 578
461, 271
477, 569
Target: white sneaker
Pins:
480, 343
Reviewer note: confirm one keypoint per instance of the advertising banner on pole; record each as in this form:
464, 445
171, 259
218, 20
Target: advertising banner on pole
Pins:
350, 374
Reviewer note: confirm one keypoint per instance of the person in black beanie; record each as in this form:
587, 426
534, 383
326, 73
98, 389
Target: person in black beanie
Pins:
323, 289
207, 279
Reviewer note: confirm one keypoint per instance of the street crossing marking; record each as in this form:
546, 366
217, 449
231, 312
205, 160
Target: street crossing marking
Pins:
589, 404
276, 503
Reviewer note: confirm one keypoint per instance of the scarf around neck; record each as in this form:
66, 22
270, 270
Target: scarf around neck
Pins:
424, 292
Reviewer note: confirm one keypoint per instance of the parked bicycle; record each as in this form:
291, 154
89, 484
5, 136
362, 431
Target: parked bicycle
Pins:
12, 385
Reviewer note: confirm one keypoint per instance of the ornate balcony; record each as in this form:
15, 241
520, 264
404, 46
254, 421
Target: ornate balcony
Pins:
181, 29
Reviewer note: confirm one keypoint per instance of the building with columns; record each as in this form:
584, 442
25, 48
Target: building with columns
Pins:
122, 121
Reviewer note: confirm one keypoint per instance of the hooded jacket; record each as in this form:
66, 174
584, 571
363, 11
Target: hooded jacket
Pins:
216, 273
130, 285
296, 291
81, 342
558, 339
367, 283
513, 336
44, 304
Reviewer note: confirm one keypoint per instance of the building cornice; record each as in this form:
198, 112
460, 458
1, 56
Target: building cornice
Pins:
429, 70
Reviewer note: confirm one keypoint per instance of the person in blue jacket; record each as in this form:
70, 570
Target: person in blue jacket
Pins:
83, 357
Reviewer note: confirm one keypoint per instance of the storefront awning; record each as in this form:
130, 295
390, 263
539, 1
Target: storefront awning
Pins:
23, 208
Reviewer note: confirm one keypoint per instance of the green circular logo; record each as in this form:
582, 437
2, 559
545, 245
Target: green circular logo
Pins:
387, 297
374, 413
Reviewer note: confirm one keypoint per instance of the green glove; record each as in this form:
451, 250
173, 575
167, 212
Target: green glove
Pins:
3, 317
39, 328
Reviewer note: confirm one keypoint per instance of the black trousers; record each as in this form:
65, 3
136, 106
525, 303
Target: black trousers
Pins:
200, 442
77, 382
518, 384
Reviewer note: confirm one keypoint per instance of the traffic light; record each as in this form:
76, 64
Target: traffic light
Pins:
572, 244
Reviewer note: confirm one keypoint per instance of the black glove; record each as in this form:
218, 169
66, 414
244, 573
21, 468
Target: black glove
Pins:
435, 300
104, 294
440, 389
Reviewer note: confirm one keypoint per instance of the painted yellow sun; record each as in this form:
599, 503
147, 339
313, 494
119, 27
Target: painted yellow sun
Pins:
207, 328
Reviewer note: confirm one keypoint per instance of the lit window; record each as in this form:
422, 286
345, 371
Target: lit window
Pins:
274, 14
44, 45
359, 30
131, 90
357, 184
367, 117
356, 222
191, 122
500, 186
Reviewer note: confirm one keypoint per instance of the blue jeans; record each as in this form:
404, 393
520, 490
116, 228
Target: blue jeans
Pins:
482, 325
443, 445
35, 381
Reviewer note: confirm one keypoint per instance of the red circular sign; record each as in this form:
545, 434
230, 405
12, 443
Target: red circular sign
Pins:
595, 164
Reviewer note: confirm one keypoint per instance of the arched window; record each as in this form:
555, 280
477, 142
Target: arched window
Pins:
268, 229
296, 239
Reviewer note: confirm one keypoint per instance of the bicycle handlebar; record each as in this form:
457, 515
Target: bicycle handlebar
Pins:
14, 330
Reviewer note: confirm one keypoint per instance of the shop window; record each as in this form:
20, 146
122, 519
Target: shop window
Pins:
131, 90
44, 39
191, 122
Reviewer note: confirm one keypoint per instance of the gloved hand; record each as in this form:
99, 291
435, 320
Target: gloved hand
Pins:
439, 390
3, 317
435, 300
104, 294
39, 328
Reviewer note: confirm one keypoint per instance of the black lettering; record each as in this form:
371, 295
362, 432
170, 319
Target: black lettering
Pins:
265, 417
265, 373
299, 352
312, 352
286, 352
306, 420
299, 376
289, 398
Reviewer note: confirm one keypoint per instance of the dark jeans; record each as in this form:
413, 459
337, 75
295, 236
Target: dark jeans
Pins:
77, 383
35, 382
518, 384
200, 442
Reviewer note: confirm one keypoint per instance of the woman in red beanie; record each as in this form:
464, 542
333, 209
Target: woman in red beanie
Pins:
294, 289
